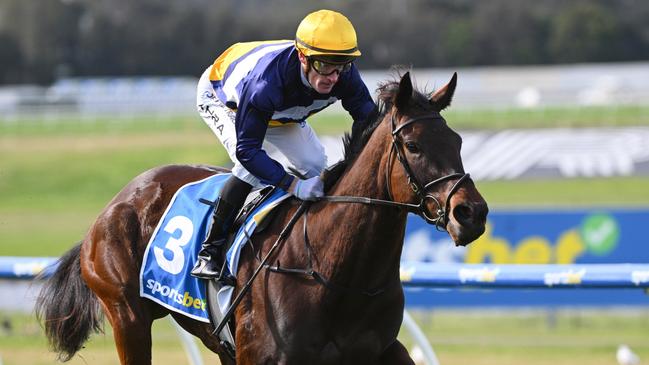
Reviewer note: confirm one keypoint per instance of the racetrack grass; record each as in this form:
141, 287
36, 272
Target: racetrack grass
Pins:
533, 337
477, 337
26, 344
55, 178
628, 191
333, 123
552, 117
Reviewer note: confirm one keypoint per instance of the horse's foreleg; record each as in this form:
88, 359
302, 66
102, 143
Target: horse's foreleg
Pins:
396, 354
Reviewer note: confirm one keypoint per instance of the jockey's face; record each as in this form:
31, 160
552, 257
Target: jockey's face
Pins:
320, 83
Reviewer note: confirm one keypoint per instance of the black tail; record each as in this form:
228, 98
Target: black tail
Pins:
67, 309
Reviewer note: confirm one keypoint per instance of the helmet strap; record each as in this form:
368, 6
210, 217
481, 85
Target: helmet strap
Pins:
305, 70
308, 63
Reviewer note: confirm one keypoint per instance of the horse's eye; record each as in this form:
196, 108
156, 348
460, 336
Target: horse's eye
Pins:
412, 147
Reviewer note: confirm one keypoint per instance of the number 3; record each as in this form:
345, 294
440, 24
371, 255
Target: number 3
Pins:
175, 265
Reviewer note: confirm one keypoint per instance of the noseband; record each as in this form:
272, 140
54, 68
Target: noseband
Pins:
422, 191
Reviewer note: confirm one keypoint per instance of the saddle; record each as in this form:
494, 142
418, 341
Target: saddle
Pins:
253, 200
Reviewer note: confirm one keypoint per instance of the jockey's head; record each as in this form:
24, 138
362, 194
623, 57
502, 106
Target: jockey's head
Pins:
326, 44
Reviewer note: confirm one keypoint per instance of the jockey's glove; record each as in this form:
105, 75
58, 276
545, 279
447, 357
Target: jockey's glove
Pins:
308, 189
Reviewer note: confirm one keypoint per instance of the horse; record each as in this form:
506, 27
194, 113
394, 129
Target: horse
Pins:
346, 304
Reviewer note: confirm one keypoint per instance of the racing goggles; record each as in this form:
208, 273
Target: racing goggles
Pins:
327, 69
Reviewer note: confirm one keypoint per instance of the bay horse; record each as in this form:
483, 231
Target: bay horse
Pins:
347, 309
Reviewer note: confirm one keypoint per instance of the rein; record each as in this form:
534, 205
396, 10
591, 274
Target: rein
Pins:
318, 277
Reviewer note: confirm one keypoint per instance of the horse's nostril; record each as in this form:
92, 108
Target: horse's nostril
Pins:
469, 213
462, 213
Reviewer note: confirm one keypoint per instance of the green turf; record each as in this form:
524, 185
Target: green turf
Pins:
25, 343
585, 337
76, 125
564, 117
328, 123
567, 193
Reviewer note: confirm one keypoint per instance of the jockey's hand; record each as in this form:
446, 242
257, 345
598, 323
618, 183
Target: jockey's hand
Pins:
308, 189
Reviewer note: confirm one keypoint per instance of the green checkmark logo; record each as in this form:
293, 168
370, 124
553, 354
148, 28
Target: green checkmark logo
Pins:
600, 232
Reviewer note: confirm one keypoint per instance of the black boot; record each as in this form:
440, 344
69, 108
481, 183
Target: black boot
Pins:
208, 264
210, 257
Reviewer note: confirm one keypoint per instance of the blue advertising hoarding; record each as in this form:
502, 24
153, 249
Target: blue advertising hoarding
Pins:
587, 236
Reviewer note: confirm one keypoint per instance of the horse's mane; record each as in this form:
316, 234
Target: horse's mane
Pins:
354, 142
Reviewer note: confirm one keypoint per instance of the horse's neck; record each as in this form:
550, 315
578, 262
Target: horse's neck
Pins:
366, 176
376, 232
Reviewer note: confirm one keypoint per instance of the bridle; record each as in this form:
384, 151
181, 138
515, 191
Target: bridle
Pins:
440, 216
422, 191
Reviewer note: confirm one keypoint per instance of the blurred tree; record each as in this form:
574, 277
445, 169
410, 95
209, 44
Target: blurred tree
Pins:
584, 30
46, 36
506, 32
10, 60
46, 39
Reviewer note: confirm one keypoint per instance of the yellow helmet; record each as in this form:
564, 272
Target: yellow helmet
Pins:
327, 33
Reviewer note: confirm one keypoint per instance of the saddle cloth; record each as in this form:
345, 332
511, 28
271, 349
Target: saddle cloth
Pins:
173, 248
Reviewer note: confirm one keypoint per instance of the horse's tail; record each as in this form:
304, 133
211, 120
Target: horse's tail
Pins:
68, 310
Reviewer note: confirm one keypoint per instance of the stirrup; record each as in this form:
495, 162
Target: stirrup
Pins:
226, 338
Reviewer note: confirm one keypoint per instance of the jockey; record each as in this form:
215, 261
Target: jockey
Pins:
262, 92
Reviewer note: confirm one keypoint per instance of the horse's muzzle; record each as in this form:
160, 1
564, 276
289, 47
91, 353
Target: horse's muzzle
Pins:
467, 221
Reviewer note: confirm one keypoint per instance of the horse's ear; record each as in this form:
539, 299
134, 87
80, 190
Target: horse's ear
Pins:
405, 92
442, 97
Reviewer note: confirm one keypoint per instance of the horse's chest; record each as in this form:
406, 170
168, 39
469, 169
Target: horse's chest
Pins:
342, 338
316, 327
361, 348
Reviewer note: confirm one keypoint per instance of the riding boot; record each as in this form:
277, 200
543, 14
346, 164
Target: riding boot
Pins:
209, 262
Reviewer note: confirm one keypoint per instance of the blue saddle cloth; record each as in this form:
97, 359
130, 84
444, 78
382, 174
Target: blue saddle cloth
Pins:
173, 248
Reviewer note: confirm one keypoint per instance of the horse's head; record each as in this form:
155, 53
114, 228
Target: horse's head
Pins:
424, 163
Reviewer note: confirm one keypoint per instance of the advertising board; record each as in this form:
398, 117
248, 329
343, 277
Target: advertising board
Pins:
579, 236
